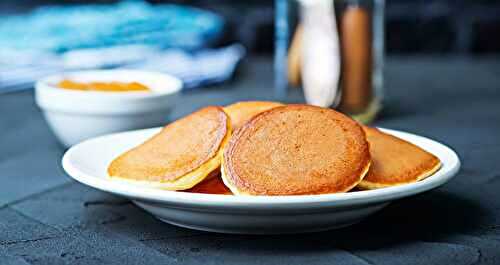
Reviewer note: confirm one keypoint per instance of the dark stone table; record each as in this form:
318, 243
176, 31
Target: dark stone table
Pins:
47, 218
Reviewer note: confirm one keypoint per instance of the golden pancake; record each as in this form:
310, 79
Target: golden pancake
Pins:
395, 161
183, 154
296, 149
211, 185
241, 112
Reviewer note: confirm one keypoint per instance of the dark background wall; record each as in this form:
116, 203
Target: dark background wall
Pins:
412, 26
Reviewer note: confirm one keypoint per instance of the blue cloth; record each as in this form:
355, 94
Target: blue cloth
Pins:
63, 28
195, 69
198, 69
131, 34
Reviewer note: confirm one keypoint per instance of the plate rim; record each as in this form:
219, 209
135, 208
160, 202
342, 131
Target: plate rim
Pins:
225, 201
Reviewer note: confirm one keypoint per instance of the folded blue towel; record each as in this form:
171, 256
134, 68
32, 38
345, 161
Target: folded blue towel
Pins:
195, 69
63, 28
131, 34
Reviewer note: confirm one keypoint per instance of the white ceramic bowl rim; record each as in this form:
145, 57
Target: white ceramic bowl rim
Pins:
163, 86
449, 159
120, 75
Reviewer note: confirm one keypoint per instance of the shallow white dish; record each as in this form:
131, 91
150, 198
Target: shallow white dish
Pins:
78, 115
87, 162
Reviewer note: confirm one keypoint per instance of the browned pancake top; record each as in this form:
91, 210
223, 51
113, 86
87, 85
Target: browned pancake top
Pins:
211, 185
178, 149
396, 161
241, 112
296, 149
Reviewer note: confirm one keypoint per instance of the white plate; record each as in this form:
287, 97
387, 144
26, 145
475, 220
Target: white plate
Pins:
87, 162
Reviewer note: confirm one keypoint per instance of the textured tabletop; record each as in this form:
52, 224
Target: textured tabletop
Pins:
46, 218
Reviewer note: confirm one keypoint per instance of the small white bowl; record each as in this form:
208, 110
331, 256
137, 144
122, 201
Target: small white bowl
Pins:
78, 115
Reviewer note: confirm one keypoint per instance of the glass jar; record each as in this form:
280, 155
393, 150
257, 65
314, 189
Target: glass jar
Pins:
336, 54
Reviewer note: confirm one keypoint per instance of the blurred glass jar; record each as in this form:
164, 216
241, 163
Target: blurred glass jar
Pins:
337, 55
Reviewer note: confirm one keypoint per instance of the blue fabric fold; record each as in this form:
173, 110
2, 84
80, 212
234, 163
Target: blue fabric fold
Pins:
195, 69
64, 28
131, 34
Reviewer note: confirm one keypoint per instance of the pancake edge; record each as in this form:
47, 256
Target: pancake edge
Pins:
368, 185
231, 107
237, 192
238, 131
190, 179
277, 103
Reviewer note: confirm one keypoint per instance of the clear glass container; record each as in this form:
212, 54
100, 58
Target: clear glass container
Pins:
336, 53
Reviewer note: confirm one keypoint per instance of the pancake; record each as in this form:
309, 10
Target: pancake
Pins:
241, 112
211, 185
180, 156
395, 161
296, 149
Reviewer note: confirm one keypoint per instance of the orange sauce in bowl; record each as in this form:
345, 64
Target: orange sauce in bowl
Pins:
103, 86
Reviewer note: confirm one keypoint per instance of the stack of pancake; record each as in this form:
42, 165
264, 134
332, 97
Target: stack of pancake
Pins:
268, 148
